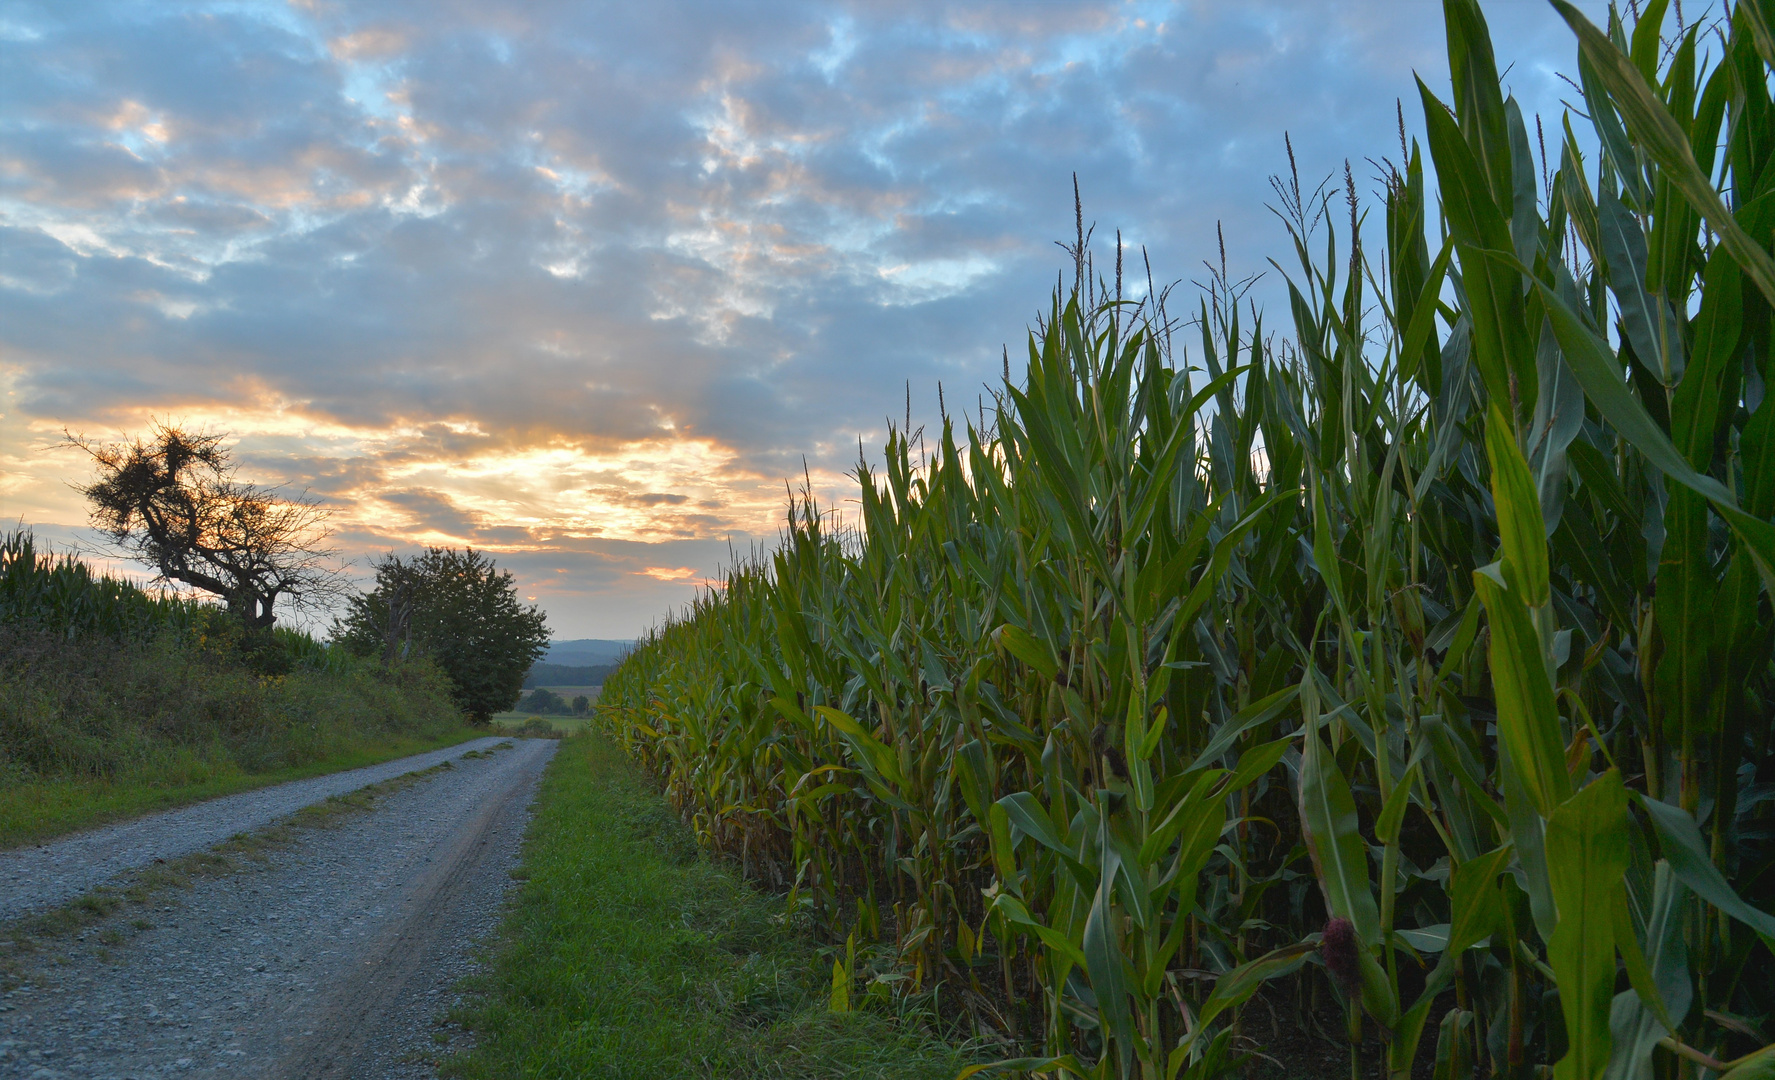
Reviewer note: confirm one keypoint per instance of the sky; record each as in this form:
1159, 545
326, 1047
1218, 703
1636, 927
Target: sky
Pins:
585, 286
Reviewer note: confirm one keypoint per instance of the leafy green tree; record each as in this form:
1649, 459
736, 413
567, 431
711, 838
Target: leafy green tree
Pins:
581, 705
461, 611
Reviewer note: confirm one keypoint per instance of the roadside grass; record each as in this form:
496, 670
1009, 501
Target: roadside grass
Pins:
627, 953
32, 811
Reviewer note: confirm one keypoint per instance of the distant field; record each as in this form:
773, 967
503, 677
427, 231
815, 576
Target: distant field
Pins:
568, 724
571, 692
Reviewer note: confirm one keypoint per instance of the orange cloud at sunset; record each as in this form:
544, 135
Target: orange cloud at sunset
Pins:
661, 573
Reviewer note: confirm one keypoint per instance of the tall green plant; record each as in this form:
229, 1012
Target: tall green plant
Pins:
1421, 658
62, 595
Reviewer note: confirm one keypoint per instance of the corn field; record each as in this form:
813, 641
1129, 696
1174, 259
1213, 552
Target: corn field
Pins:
60, 594
1415, 661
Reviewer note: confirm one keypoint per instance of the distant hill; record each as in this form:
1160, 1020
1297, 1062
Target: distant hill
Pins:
582, 652
546, 674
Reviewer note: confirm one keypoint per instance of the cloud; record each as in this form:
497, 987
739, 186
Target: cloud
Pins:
674, 574
563, 280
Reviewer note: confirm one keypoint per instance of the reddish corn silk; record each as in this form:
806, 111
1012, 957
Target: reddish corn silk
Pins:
1338, 945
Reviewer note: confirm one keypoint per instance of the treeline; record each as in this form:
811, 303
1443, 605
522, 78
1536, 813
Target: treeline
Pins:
567, 675
1415, 670
545, 702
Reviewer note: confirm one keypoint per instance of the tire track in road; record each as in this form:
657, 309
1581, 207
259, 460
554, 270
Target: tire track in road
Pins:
356, 1017
333, 959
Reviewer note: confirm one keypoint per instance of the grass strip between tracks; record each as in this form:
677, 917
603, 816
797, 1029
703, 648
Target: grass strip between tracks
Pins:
37, 810
627, 953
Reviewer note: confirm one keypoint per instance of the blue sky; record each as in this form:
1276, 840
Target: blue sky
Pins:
584, 284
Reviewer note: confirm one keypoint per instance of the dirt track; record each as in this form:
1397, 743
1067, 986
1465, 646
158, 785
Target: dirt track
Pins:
332, 959
42, 875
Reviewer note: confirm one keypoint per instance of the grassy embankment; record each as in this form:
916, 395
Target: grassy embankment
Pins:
629, 954
114, 702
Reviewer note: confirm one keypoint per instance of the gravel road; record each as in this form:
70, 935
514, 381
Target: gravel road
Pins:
332, 959
35, 878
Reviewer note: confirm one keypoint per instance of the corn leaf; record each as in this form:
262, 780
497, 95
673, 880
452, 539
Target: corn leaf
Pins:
1520, 527
1527, 720
1331, 828
1663, 139
1586, 858
1679, 840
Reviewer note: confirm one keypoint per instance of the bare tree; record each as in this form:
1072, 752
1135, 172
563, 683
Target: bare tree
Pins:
172, 500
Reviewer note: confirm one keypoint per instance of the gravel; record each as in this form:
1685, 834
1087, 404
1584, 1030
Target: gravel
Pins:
35, 878
335, 957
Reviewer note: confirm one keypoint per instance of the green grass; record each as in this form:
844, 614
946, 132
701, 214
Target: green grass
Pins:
566, 724
35, 810
628, 954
